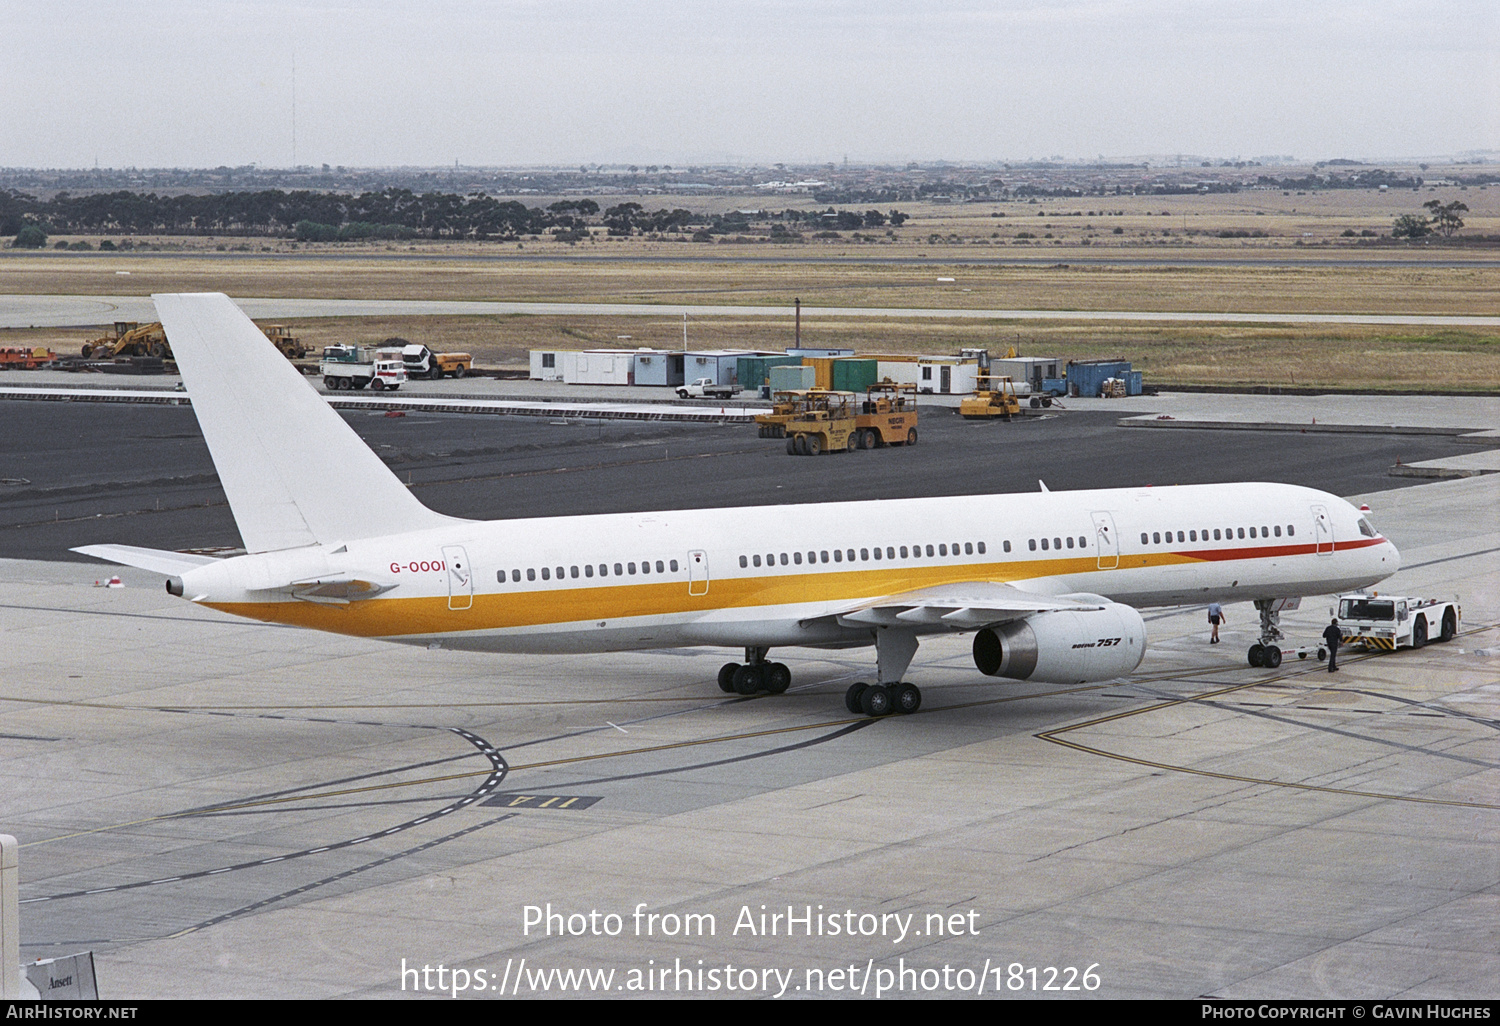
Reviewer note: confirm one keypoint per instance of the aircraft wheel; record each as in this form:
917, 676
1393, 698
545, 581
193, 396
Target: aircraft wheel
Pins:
778, 677
1419, 632
747, 680
1450, 626
908, 698
876, 701
726, 677
854, 696
1256, 654
1270, 657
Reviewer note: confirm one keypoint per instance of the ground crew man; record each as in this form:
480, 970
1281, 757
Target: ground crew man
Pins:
1331, 636
1215, 617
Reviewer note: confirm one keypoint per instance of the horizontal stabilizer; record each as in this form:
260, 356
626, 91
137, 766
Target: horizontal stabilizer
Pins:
157, 561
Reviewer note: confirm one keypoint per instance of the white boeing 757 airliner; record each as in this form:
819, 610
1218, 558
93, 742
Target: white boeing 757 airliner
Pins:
1048, 582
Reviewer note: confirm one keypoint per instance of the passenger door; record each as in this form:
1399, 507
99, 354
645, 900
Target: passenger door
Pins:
1104, 537
1322, 530
460, 578
697, 572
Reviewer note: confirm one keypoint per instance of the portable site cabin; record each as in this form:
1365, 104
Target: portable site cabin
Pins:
722, 365
658, 367
947, 375
584, 367
1032, 371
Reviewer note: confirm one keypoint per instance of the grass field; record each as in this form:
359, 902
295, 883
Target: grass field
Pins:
1170, 259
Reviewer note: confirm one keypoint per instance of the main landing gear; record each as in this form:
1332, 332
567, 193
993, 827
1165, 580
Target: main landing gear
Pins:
894, 648
755, 675
880, 699
1267, 651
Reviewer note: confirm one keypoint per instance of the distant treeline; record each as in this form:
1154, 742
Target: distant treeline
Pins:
390, 214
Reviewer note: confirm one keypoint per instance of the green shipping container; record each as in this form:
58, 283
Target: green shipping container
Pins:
754, 370
855, 374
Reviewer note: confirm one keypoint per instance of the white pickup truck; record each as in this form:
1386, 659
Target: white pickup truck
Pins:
706, 388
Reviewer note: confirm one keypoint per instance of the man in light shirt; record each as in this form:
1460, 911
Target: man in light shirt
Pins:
1215, 617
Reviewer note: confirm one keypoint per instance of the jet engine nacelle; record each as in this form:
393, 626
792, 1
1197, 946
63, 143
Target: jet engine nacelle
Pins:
1064, 646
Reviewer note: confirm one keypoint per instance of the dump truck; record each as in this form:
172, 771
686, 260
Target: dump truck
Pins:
358, 367
994, 396
422, 362
888, 415
827, 424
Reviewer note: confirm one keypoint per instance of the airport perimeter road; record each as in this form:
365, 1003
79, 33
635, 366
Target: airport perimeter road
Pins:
26, 311
220, 809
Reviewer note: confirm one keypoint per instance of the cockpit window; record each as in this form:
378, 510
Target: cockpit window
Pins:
1365, 528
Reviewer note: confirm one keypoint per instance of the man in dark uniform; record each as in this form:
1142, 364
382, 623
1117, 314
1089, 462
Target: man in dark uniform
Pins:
1331, 636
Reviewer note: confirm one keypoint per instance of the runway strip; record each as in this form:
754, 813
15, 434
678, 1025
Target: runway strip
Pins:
21, 311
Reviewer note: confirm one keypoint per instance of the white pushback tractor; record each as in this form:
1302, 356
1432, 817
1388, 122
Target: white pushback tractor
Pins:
1388, 622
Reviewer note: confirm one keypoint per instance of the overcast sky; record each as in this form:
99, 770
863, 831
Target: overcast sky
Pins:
155, 83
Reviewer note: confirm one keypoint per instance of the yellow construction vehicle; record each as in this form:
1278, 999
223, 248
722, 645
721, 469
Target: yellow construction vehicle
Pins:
994, 396
888, 416
826, 424
130, 338
788, 405
282, 338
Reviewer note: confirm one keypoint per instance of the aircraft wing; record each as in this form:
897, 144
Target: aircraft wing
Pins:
156, 560
964, 606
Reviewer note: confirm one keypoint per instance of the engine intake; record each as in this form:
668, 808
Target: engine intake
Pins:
1064, 646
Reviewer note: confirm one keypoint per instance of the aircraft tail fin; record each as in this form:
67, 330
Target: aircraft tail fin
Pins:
294, 472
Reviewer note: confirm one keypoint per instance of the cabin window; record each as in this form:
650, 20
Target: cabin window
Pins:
588, 570
1044, 544
849, 555
876, 551
1242, 532
968, 548
744, 562
1264, 533
756, 559
890, 552
812, 557
1070, 541
797, 558
1278, 530
943, 549
630, 567
838, 555
783, 559
1290, 530
929, 551
1145, 538
574, 570
864, 554
546, 574
530, 573
1083, 541
825, 555
770, 559
1364, 528
903, 552
1216, 534
500, 577
1252, 532
659, 569
1192, 536
619, 570
1031, 544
